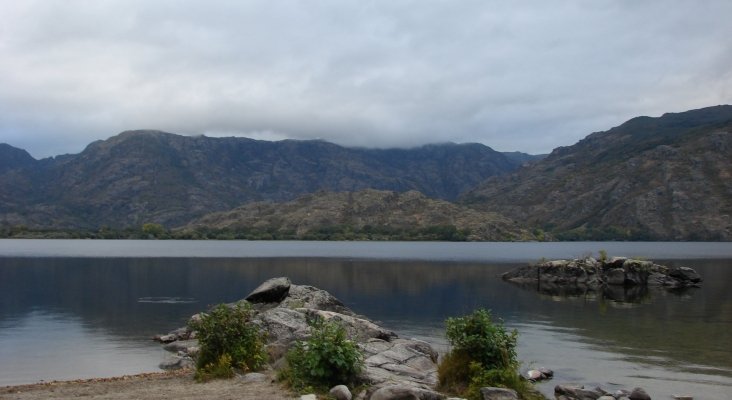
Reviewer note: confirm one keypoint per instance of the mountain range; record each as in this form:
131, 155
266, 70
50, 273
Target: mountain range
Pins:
149, 176
650, 178
665, 178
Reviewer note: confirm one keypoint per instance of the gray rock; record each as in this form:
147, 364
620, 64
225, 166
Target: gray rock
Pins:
639, 394
301, 296
492, 393
176, 363
684, 274
606, 397
340, 392
615, 276
572, 392
271, 291
534, 374
253, 377
546, 372
682, 397
358, 329
180, 345
308, 397
402, 391
283, 325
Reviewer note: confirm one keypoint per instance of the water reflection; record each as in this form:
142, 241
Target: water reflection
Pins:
125, 301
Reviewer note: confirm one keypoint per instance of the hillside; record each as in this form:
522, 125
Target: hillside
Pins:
665, 178
367, 214
152, 176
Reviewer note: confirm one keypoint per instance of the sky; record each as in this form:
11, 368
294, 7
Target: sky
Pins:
514, 75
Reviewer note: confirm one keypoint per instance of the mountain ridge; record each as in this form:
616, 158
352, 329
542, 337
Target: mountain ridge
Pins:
153, 176
664, 178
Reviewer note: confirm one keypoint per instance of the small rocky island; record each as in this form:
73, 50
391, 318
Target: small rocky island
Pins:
632, 277
395, 367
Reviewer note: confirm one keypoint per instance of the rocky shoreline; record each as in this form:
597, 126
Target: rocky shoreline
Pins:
402, 368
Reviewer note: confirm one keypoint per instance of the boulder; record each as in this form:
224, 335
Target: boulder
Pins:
546, 372
271, 291
534, 375
615, 276
684, 274
573, 392
493, 393
253, 377
639, 394
340, 392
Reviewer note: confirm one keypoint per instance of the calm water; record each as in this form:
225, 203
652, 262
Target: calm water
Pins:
74, 309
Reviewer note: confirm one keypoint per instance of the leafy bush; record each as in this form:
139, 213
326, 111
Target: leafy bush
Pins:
228, 340
486, 341
483, 354
325, 359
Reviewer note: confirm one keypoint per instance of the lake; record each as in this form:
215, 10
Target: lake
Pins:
79, 308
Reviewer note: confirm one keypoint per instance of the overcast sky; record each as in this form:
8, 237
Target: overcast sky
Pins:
514, 75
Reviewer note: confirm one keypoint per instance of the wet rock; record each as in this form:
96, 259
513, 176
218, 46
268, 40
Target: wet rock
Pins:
492, 393
615, 276
271, 291
340, 392
546, 372
684, 274
639, 394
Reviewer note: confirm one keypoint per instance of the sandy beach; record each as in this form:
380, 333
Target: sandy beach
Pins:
177, 385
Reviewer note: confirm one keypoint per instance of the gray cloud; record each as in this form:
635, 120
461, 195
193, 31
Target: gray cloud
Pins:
529, 76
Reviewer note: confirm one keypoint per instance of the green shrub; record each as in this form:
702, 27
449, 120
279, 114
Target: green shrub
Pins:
325, 359
603, 255
486, 341
483, 354
227, 337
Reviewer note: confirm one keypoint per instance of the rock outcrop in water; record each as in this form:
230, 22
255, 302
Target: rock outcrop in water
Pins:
392, 364
578, 276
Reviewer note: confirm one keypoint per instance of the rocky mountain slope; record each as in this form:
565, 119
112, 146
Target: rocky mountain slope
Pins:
367, 214
665, 178
151, 176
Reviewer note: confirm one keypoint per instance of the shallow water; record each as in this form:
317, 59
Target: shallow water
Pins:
67, 317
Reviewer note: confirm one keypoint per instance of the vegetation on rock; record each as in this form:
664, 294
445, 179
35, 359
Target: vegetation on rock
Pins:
483, 355
228, 340
327, 358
